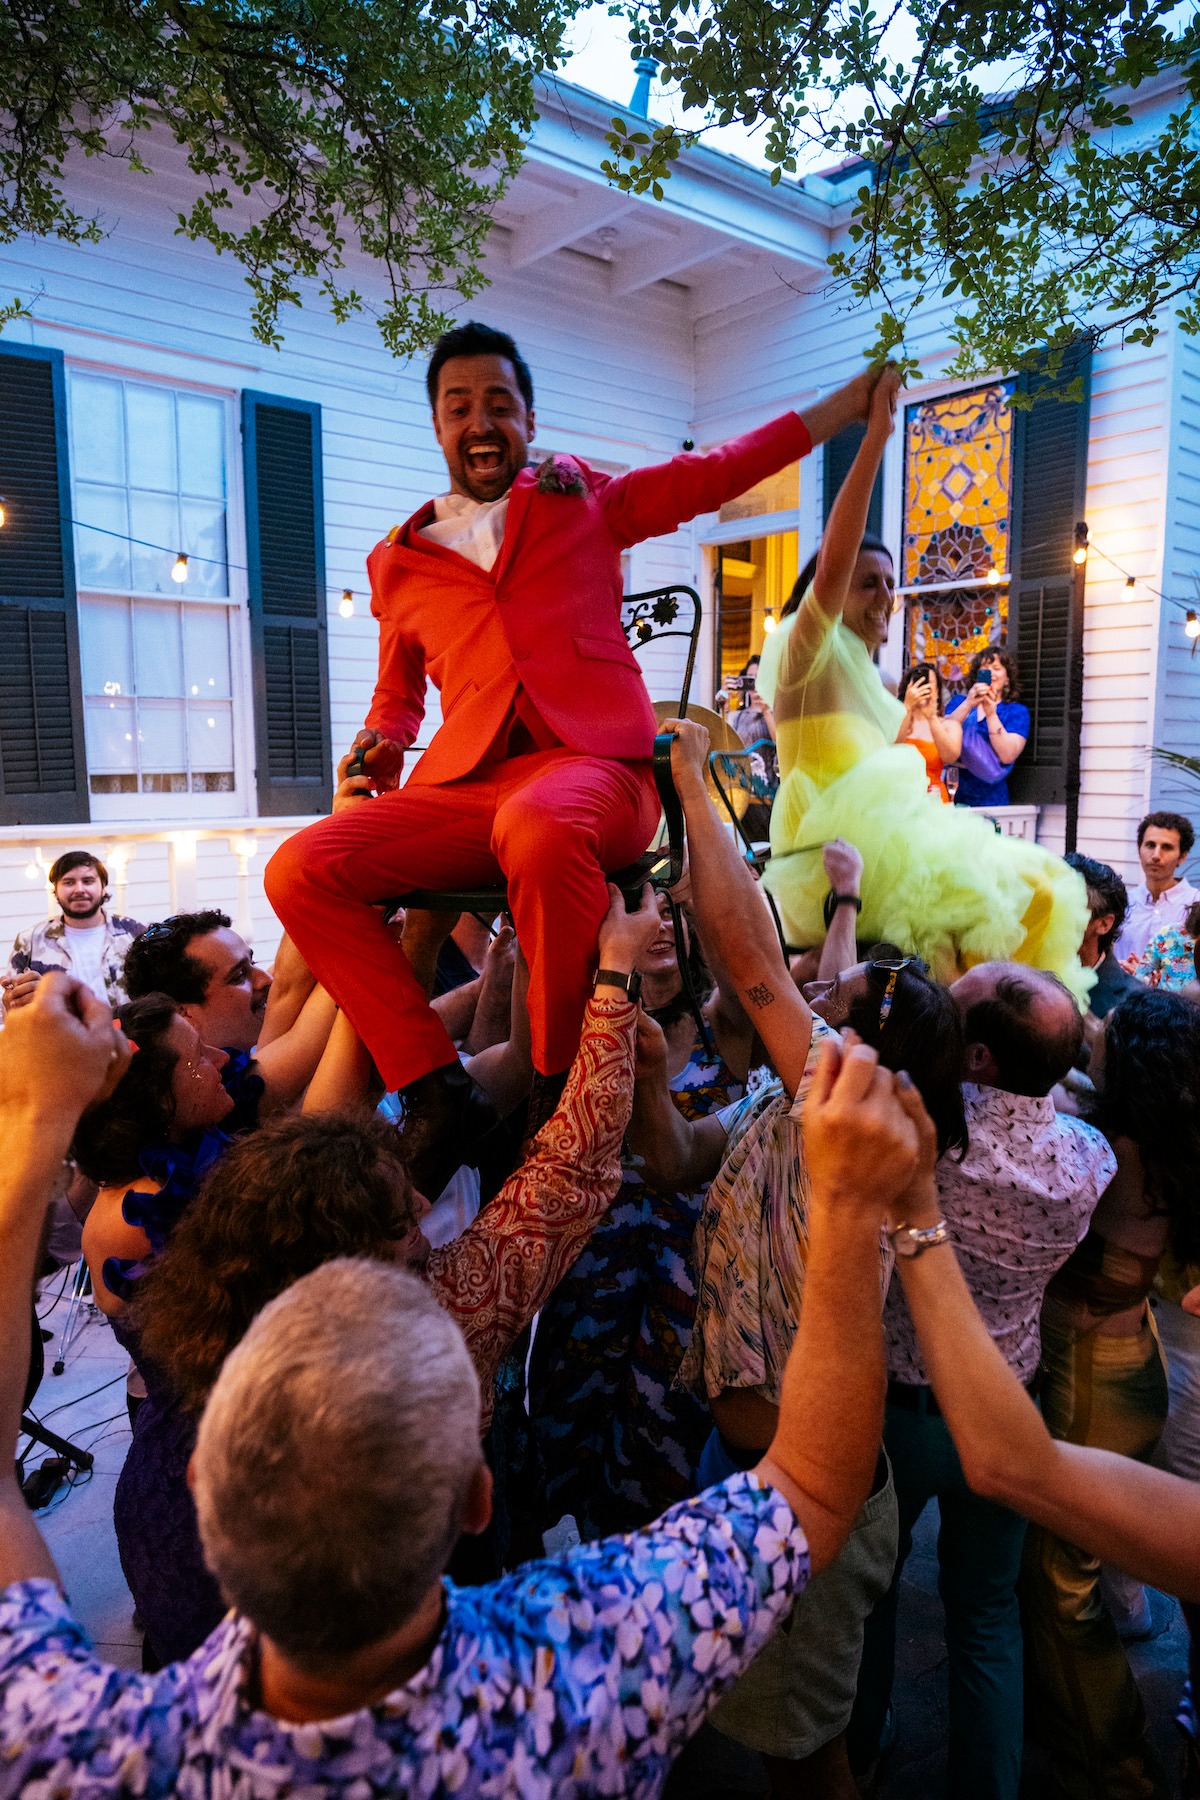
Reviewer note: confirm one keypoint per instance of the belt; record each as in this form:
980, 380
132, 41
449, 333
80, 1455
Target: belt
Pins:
911, 1396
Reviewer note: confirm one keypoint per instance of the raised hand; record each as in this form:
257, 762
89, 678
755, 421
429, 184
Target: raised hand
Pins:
862, 1144
626, 936
59, 1054
881, 419
843, 866
689, 752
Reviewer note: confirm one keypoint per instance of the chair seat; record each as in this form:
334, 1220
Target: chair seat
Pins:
489, 901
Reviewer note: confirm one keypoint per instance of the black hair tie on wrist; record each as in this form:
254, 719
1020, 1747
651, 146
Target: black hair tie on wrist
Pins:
833, 901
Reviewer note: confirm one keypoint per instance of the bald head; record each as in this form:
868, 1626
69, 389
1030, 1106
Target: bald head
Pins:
335, 1459
1022, 1026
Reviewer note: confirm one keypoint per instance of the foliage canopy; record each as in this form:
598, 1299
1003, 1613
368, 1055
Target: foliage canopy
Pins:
309, 128
1007, 163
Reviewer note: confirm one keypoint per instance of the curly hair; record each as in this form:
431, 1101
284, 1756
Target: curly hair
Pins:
1007, 661
922, 1035
1107, 893
110, 1138
916, 672
1169, 821
300, 1191
1151, 1093
158, 962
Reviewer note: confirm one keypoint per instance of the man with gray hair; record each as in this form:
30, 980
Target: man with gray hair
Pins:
337, 1461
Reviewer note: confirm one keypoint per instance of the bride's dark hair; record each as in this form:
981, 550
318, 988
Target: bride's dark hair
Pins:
804, 579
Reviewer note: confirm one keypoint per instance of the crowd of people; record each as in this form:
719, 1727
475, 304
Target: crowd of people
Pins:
511, 1425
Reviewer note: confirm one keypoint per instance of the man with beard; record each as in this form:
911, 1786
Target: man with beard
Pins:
506, 593
84, 941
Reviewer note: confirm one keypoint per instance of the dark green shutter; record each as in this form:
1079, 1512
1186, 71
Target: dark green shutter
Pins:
1045, 598
43, 776
285, 539
840, 452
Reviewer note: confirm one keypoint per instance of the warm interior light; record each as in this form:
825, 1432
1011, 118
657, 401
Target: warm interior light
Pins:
179, 570
3, 514
1080, 554
347, 604
768, 622
1192, 625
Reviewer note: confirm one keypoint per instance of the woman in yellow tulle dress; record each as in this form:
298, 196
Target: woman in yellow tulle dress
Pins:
938, 880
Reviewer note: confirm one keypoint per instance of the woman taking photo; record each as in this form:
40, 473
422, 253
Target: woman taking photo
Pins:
938, 738
993, 727
938, 880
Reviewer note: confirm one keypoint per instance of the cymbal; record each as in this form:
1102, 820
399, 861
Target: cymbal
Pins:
722, 736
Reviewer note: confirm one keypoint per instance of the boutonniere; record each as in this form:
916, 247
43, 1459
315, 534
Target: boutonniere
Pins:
558, 476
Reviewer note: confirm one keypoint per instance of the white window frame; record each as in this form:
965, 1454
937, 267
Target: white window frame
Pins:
201, 807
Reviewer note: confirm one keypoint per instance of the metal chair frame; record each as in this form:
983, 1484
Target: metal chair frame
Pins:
646, 618
734, 766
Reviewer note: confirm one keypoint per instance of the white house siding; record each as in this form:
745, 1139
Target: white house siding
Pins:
613, 382
1177, 722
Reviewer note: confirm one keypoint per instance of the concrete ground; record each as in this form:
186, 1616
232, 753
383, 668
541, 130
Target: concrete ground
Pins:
86, 1404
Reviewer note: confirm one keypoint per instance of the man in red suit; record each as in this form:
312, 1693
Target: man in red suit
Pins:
506, 593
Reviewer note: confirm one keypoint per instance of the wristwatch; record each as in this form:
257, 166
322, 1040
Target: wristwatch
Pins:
912, 1240
631, 983
833, 901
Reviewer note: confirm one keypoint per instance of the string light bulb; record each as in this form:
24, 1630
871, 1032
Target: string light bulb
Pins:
346, 608
1130, 583
1079, 554
1191, 624
3, 514
768, 622
179, 569
994, 577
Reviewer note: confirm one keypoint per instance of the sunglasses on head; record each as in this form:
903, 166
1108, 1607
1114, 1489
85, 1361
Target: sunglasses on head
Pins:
892, 967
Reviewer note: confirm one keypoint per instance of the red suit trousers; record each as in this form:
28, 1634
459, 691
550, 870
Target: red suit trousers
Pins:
549, 825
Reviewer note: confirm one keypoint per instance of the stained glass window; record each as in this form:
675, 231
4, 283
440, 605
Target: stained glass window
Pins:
957, 501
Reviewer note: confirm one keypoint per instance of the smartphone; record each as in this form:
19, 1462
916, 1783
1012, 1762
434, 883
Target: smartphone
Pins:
984, 678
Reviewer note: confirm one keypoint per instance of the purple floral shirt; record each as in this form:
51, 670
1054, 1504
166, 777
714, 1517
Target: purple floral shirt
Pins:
576, 1676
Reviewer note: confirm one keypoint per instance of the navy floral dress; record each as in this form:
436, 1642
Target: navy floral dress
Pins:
616, 1443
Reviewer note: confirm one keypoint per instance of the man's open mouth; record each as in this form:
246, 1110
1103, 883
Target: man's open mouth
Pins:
485, 459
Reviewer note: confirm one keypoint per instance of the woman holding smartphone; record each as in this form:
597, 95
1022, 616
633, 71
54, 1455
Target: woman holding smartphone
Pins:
995, 727
937, 880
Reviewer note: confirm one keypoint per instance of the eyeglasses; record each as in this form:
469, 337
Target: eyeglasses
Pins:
163, 928
892, 967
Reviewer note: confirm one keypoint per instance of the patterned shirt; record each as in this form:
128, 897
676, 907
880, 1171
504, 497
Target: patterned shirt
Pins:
1170, 960
752, 1244
47, 946
512, 1256
1016, 1205
1146, 917
580, 1675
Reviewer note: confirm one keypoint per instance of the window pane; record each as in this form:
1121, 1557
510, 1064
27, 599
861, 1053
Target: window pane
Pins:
161, 735
150, 413
109, 727
105, 647
159, 649
201, 446
210, 735
204, 538
206, 652
97, 429
776, 493
154, 518
102, 557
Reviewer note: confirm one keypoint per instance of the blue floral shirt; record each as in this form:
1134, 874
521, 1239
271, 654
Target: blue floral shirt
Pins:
580, 1675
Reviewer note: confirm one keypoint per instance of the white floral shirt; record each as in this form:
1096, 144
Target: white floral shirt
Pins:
1016, 1205
581, 1675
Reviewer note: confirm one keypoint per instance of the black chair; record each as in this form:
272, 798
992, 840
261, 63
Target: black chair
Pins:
734, 774
646, 618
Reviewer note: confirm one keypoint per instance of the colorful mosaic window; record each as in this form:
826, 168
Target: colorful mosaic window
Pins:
957, 502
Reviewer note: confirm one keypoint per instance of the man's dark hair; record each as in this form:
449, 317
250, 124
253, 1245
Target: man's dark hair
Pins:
76, 859
922, 1035
140, 1111
1106, 893
474, 339
804, 579
1028, 1060
1169, 821
158, 962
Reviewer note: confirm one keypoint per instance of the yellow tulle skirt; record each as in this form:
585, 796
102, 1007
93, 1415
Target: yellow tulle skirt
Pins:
938, 880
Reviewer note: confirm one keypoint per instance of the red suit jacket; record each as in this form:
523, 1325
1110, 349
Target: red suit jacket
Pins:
547, 616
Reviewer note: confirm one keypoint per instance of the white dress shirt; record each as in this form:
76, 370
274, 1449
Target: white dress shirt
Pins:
475, 528
1147, 917
1016, 1205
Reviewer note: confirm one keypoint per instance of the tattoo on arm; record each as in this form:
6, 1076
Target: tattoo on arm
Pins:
760, 994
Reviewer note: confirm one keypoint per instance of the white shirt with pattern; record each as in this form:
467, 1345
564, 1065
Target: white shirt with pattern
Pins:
1147, 917
475, 528
1016, 1205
